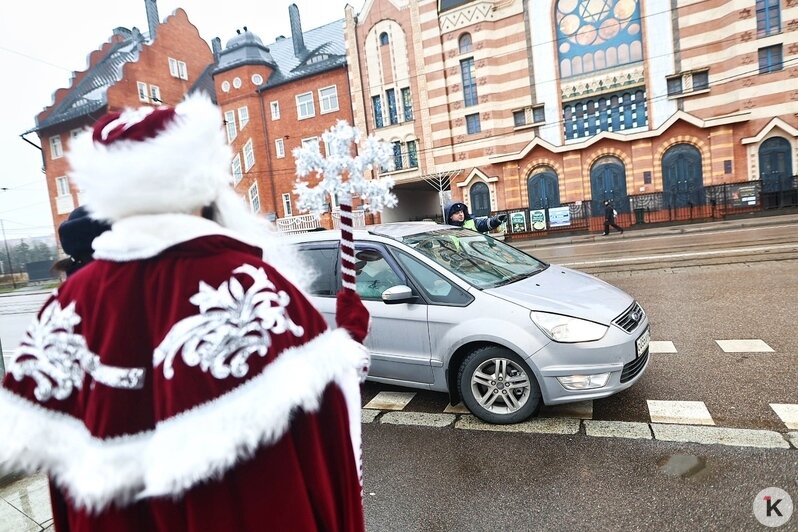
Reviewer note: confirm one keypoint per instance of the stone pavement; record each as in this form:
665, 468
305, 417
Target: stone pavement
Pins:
25, 504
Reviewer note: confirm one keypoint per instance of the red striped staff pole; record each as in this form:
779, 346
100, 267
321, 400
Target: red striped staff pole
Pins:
347, 244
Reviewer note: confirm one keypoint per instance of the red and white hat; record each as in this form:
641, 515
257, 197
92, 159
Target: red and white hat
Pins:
152, 160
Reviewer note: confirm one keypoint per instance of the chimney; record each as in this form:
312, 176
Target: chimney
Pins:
216, 46
296, 31
152, 17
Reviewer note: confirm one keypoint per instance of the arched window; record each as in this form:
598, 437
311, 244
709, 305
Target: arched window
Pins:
543, 189
464, 43
682, 177
480, 199
608, 182
775, 164
383, 39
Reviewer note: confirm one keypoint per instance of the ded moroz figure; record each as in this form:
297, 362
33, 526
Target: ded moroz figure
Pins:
182, 381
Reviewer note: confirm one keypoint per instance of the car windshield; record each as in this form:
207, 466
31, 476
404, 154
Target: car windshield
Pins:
478, 259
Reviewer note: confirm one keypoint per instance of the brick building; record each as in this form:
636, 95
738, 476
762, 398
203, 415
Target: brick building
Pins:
131, 69
540, 103
275, 98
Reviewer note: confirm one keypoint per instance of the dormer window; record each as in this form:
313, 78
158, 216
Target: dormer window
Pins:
317, 59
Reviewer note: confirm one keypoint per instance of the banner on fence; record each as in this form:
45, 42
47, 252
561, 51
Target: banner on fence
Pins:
559, 217
537, 218
518, 222
742, 195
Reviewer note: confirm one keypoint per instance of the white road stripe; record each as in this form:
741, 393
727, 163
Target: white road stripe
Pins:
538, 425
368, 416
680, 412
660, 346
793, 438
618, 429
720, 436
421, 419
788, 414
744, 346
696, 254
390, 400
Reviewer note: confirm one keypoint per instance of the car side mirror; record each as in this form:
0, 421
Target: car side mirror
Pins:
398, 294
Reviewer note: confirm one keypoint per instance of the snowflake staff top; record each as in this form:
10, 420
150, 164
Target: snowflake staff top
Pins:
373, 153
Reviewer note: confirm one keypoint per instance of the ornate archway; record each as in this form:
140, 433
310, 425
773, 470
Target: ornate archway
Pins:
608, 182
480, 199
682, 177
543, 189
775, 164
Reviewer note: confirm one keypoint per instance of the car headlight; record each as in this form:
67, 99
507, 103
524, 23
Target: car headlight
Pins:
568, 329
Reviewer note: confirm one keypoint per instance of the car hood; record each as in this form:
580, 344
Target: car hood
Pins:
564, 291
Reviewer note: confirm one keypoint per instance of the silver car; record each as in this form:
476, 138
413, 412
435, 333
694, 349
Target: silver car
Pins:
460, 312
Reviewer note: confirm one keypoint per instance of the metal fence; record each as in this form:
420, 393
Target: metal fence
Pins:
709, 203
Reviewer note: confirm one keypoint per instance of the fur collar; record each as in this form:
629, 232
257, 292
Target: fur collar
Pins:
144, 237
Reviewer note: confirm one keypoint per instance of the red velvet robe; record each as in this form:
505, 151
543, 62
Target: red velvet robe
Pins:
185, 385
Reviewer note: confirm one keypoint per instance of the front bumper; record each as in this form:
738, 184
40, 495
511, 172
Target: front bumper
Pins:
615, 354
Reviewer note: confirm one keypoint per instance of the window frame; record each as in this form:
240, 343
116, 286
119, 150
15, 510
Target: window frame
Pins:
275, 109
230, 125
376, 105
249, 155
243, 118
301, 104
407, 104
144, 93
465, 47
56, 147
288, 209
469, 81
470, 119
326, 98
279, 148
771, 66
236, 169
765, 10
62, 186
254, 199
155, 94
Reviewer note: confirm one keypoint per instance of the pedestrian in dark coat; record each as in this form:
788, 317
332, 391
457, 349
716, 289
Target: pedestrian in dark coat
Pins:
609, 218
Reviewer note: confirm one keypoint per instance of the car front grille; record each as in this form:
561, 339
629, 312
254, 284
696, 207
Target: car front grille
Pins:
631, 318
633, 368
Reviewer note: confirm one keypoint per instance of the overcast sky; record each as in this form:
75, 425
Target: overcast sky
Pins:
42, 42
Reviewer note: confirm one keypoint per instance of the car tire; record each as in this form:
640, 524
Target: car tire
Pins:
482, 383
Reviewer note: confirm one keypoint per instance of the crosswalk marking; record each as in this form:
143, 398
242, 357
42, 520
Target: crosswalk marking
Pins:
792, 437
367, 416
618, 429
679, 412
390, 400
661, 346
720, 436
423, 419
744, 346
787, 413
537, 425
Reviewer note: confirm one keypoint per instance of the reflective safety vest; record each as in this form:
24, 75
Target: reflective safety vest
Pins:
470, 224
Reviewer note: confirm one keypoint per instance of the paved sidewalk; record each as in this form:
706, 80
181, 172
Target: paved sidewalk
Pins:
25, 504
644, 230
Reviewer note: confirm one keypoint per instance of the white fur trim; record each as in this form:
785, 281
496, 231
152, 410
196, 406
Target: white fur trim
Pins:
168, 460
183, 168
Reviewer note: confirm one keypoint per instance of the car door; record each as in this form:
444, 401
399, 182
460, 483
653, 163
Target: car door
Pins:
399, 337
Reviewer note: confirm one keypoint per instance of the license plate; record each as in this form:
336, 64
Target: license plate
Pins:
642, 341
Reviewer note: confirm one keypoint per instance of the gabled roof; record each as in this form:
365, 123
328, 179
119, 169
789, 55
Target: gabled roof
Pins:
325, 49
91, 93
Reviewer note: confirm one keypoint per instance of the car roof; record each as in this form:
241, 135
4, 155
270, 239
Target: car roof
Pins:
394, 230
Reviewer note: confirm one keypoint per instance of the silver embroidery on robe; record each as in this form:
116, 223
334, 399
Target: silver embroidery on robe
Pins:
232, 325
57, 358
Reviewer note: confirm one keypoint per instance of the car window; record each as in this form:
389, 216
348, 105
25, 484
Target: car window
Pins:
478, 259
374, 274
437, 288
323, 261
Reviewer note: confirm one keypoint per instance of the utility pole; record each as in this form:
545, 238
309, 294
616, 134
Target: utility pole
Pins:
8, 255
